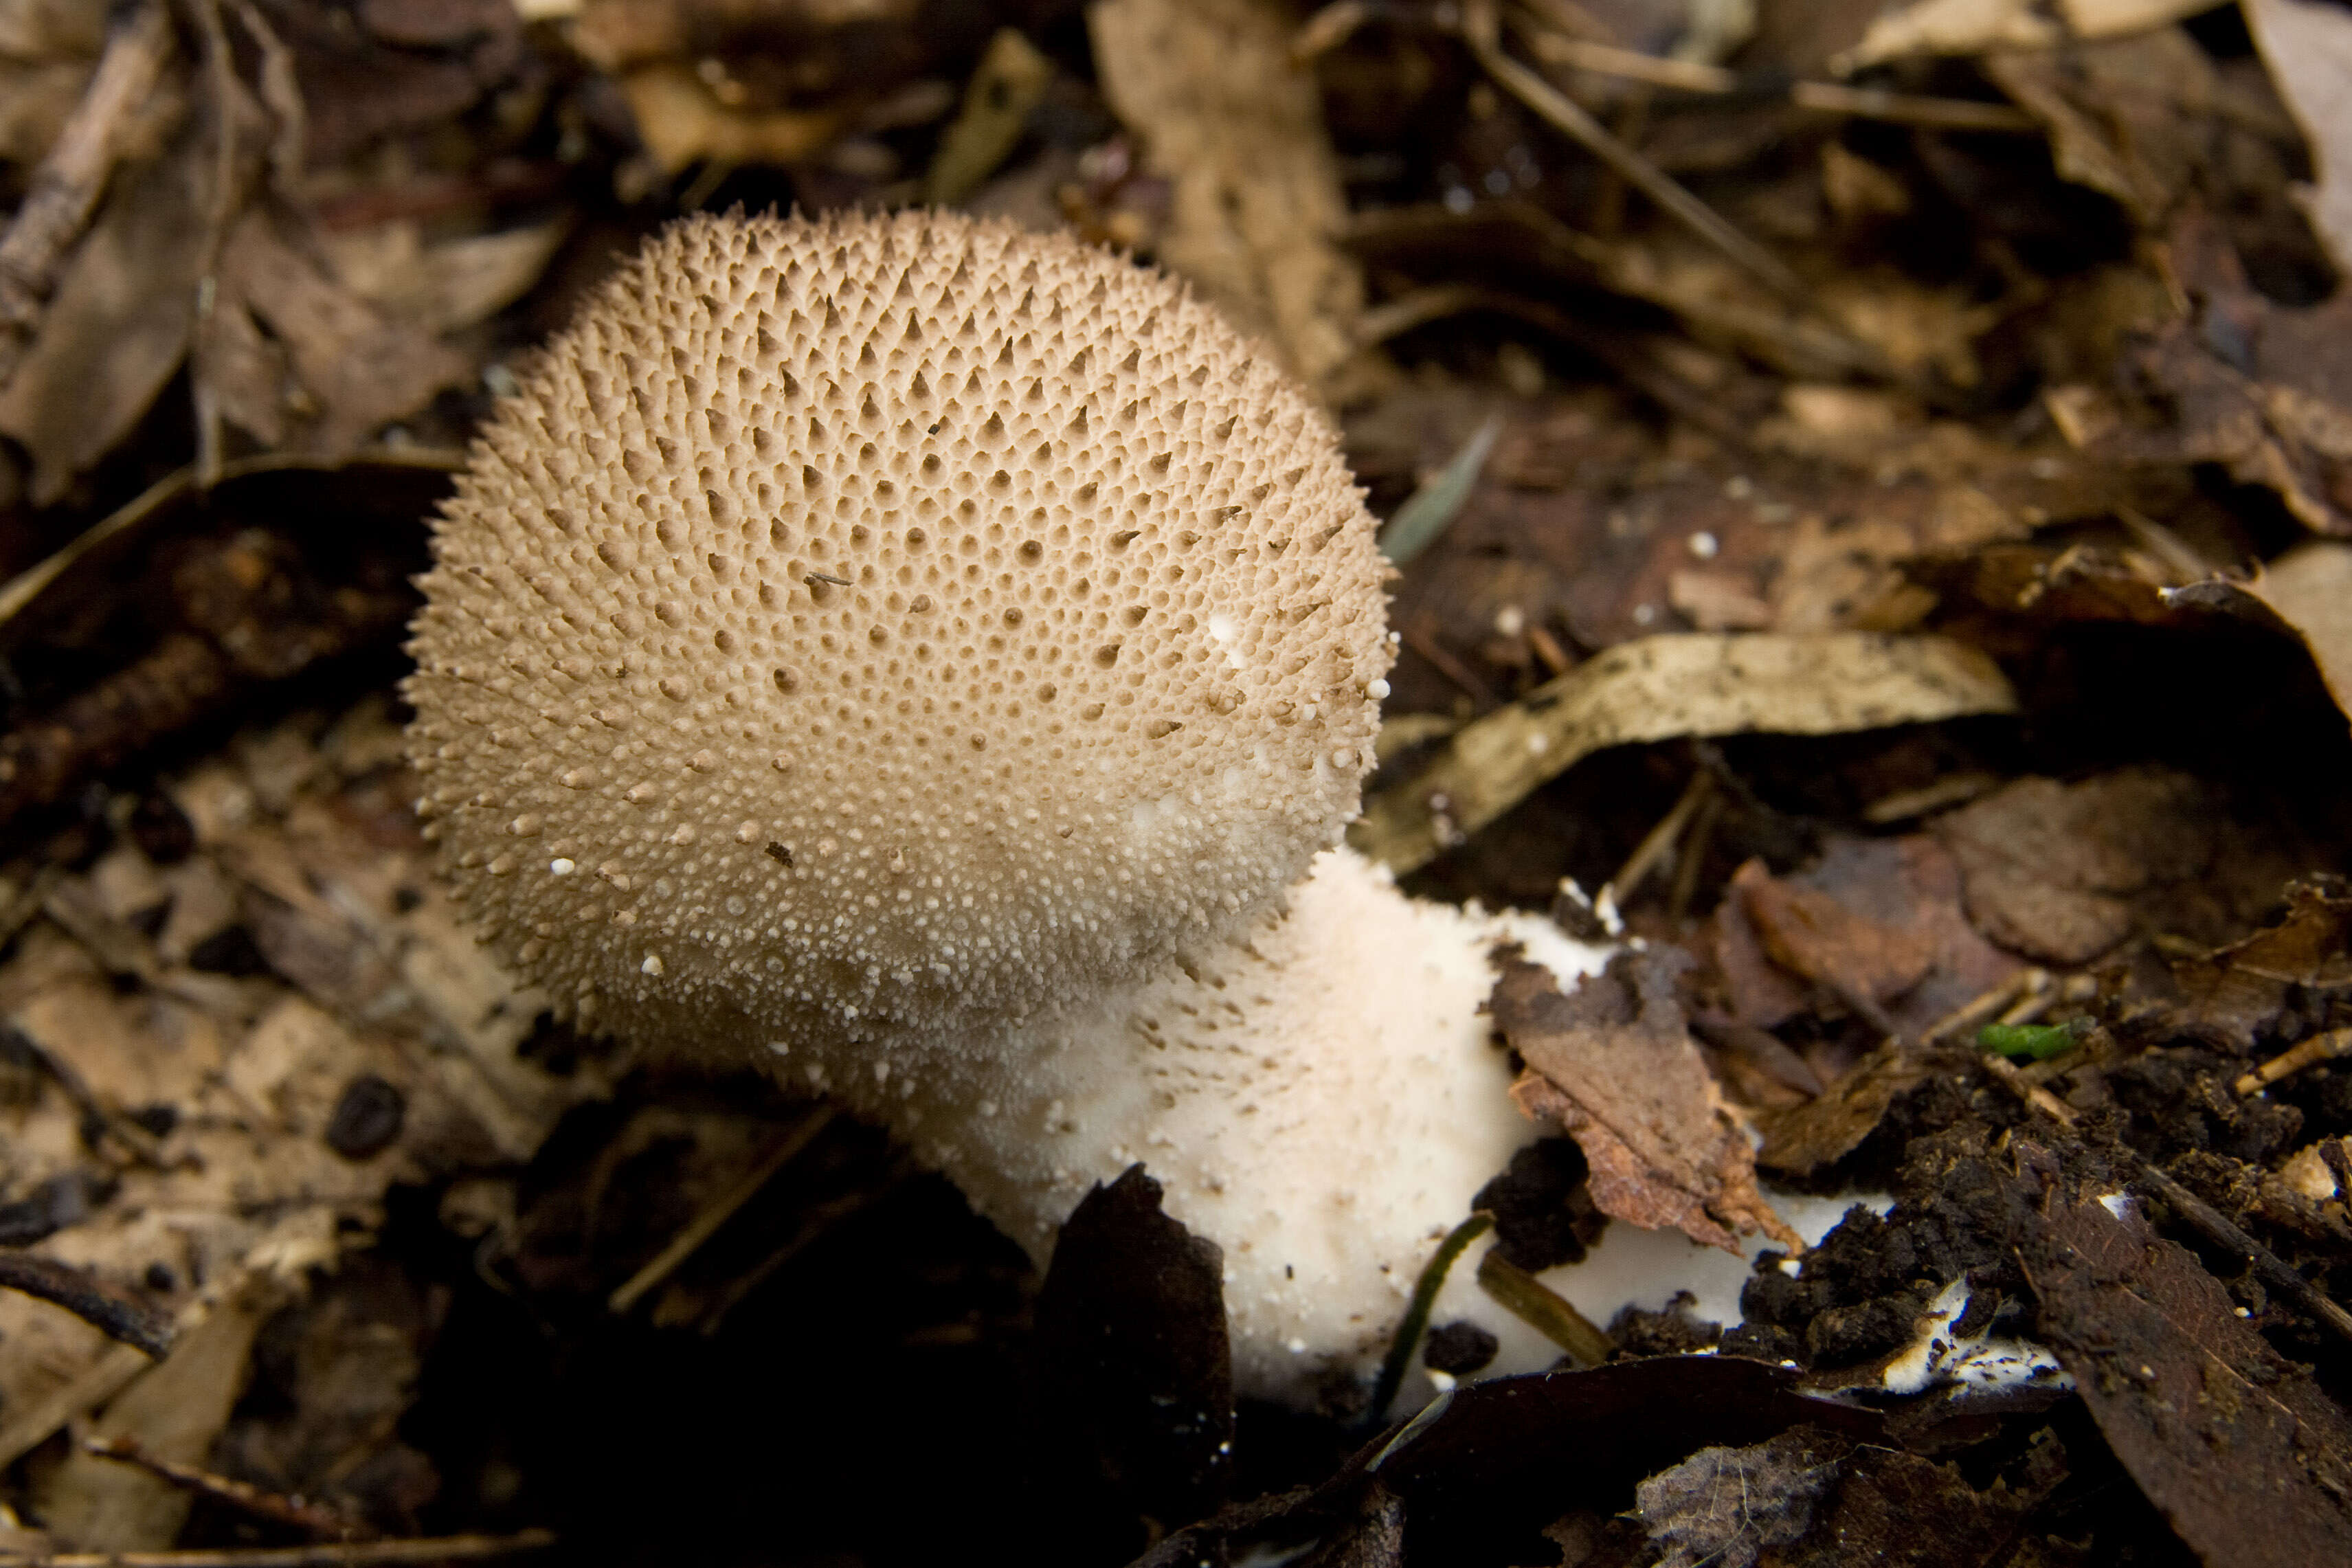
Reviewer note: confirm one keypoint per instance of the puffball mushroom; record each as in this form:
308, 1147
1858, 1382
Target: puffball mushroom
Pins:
922, 657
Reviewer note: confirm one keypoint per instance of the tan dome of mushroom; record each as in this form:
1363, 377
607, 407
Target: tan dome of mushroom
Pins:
892, 621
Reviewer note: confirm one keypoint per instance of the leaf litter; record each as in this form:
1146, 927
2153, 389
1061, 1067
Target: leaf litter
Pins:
1889, 472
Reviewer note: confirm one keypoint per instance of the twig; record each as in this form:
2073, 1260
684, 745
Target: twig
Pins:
2201, 1215
330, 1554
2218, 1228
1984, 1005
1693, 857
113, 1314
2319, 1049
66, 188
1421, 635
1827, 98
2032, 1093
1659, 839
301, 1513
1480, 30
706, 1225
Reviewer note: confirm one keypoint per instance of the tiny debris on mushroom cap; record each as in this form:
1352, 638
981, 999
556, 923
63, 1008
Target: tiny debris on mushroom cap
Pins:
888, 624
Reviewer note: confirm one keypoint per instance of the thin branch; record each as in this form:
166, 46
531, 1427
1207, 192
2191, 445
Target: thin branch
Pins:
1565, 115
706, 1225
66, 185
320, 1518
113, 1314
1822, 97
335, 1555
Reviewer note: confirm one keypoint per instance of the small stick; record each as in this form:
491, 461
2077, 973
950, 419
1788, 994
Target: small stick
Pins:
321, 1519
2032, 1093
1985, 1005
1827, 98
2201, 1215
113, 1314
66, 187
706, 1225
326, 1554
1693, 859
2319, 1048
2218, 1228
1659, 839
1481, 31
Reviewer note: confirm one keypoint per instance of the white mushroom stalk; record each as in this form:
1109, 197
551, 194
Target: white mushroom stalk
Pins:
926, 657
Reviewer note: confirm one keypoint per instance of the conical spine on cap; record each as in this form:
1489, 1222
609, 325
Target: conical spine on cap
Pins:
883, 624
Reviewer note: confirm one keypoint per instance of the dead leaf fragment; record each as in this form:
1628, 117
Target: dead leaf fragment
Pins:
2308, 47
1979, 26
1722, 1507
119, 323
1808, 932
2237, 989
1832, 1125
173, 1411
2310, 589
1257, 209
1660, 686
681, 122
2049, 869
358, 369
2201, 1410
1615, 1067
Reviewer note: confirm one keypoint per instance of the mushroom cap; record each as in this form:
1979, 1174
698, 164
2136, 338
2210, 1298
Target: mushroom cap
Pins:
888, 624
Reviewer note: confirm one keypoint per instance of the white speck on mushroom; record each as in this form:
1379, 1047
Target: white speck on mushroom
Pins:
1703, 545
652, 965
562, 866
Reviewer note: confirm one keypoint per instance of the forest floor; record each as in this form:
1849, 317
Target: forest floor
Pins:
1872, 491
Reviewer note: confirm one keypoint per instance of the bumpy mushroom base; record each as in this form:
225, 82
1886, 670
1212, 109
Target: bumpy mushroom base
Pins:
1322, 1099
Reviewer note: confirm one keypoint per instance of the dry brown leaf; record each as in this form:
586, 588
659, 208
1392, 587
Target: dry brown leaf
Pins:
1256, 210
2242, 381
1979, 26
1614, 1065
173, 1411
2197, 1404
358, 369
1877, 921
119, 324
2307, 45
682, 123
2129, 117
2310, 589
1809, 932
446, 285
1832, 1124
253, 1073
2236, 990
2051, 869
1660, 686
